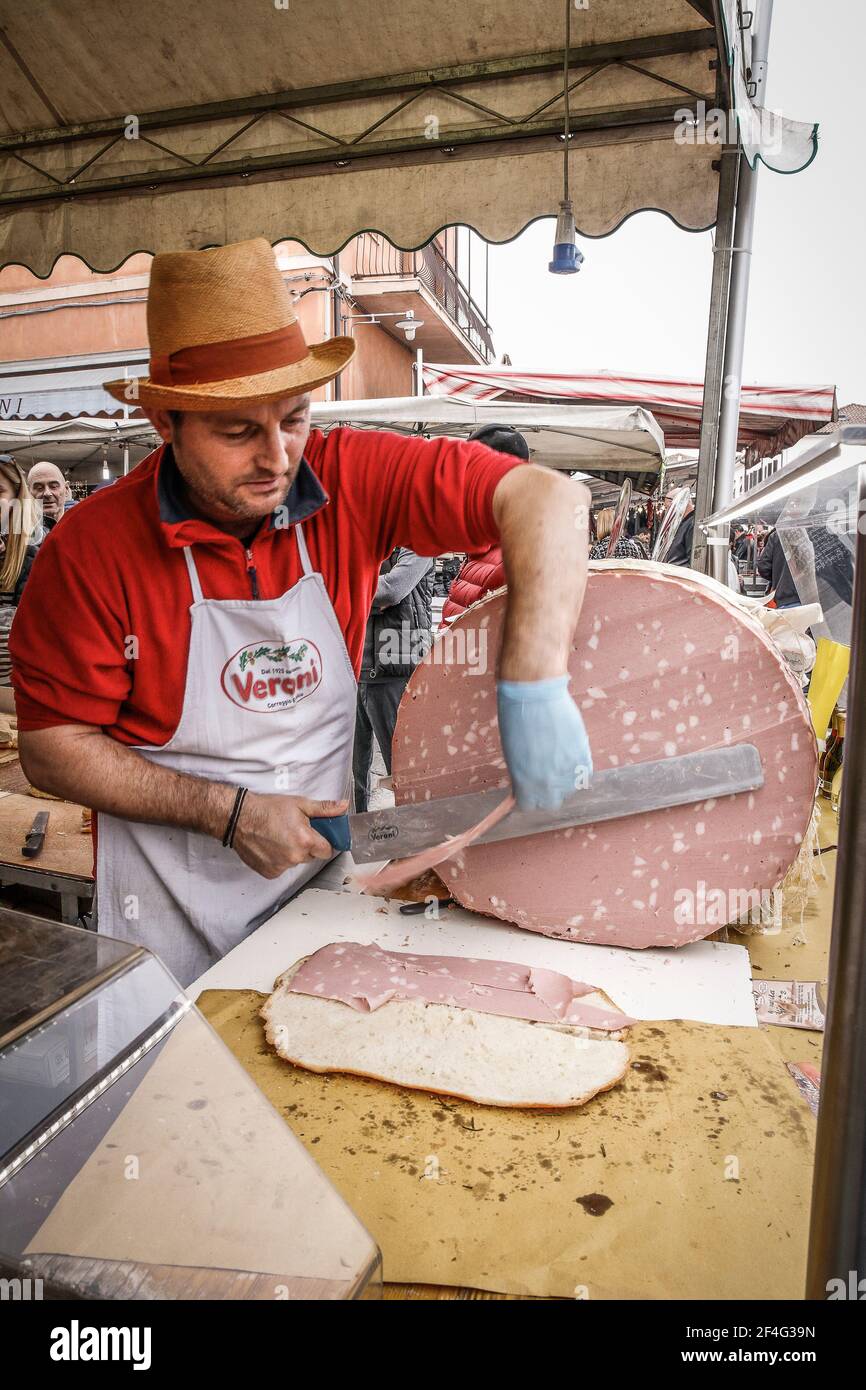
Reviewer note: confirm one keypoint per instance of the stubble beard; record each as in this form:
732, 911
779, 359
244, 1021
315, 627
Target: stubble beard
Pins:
227, 507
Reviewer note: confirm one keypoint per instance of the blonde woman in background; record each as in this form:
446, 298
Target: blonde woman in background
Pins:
625, 548
19, 521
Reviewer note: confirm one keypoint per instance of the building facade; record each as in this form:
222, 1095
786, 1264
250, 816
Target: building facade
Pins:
61, 337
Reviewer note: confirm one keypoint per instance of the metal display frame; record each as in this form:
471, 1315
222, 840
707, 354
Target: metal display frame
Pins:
837, 1235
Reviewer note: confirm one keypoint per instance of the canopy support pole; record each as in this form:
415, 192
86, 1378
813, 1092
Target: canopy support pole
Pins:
837, 1237
735, 336
714, 367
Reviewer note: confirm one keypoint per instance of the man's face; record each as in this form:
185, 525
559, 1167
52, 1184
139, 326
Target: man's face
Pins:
238, 465
49, 487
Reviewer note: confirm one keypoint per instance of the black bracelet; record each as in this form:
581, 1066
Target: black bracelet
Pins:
234, 817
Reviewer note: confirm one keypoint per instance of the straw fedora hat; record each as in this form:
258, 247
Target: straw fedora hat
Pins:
223, 332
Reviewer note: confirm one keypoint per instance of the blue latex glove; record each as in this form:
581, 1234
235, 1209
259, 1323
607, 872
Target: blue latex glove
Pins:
544, 742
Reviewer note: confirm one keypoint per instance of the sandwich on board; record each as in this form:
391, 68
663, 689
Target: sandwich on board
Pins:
492, 1032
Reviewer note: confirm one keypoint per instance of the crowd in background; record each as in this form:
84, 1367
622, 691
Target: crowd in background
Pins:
399, 628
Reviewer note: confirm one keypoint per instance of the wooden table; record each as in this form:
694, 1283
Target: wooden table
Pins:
64, 865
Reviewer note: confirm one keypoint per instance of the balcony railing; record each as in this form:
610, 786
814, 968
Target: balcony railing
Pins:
378, 259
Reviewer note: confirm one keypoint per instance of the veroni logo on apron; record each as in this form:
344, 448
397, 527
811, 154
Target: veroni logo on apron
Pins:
266, 678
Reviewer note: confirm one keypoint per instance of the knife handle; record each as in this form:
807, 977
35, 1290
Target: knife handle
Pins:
335, 829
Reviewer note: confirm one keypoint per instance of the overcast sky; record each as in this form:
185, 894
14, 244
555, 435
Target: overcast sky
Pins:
641, 299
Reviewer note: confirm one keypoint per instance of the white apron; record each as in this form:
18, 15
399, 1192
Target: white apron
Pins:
269, 704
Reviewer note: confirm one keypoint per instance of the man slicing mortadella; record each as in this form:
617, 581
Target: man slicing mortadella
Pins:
185, 655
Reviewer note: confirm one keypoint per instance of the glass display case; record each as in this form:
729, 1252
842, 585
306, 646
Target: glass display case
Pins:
137, 1158
813, 505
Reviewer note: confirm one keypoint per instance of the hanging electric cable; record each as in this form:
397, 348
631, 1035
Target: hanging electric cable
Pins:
567, 260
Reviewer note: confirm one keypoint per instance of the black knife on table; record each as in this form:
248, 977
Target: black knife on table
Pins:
35, 837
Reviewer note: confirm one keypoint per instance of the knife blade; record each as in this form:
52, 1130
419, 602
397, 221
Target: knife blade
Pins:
398, 831
35, 837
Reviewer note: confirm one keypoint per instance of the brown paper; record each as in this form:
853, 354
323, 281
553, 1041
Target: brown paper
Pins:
691, 1179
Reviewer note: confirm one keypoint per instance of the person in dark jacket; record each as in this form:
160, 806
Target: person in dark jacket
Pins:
773, 566
481, 574
680, 552
398, 636
446, 570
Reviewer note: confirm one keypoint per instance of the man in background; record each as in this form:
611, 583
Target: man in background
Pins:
49, 487
773, 566
680, 552
398, 636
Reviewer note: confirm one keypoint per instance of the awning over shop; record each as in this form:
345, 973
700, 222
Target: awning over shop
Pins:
128, 127
765, 411
66, 389
608, 442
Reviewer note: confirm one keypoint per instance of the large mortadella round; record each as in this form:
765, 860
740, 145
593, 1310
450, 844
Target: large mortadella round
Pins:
662, 663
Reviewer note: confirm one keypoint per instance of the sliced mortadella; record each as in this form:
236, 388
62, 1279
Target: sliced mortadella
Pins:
366, 977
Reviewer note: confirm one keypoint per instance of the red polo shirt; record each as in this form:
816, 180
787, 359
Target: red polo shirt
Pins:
101, 635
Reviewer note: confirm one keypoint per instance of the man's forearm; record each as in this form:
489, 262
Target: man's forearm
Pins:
543, 521
83, 764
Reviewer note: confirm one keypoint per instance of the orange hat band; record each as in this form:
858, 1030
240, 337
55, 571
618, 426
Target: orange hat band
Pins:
239, 357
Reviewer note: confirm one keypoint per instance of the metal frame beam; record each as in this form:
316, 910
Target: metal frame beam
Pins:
738, 304
704, 8
590, 55
415, 149
715, 360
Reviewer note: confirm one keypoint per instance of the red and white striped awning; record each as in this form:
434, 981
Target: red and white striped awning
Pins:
771, 417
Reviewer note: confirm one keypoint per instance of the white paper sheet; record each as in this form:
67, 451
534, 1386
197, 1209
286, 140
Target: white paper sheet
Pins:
707, 981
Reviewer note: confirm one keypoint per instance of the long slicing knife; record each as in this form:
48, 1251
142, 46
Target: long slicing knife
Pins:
35, 837
398, 831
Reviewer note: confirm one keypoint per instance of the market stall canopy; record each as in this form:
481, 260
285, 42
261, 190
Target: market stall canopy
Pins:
77, 446
766, 412
128, 127
608, 442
